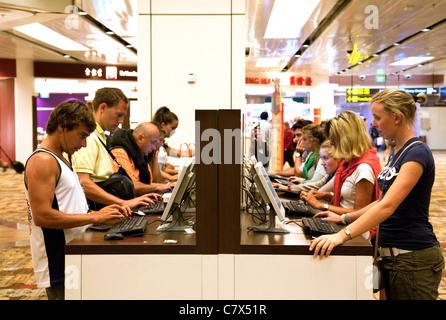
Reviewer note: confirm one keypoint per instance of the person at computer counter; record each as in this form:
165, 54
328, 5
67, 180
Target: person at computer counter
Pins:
132, 149
311, 170
324, 186
169, 122
412, 259
93, 163
355, 180
167, 171
57, 207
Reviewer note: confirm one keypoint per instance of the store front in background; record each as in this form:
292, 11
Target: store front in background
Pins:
53, 80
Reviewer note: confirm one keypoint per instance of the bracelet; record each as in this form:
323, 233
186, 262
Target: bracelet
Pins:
344, 218
348, 233
289, 188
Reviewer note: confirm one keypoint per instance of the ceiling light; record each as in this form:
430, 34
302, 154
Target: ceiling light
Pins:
44, 34
426, 30
411, 61
268, 62
396, 44
288, 17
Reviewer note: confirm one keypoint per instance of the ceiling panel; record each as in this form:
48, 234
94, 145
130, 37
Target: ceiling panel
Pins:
327, 55
119, 16
397, 20
12, 48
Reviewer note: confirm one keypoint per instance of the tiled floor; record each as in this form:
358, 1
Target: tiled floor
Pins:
16, 272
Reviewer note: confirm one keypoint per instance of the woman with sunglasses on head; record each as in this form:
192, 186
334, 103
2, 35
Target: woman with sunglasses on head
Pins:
355, 182
412, 260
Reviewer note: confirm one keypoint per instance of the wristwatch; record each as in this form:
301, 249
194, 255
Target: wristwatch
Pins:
298, 155
326, 206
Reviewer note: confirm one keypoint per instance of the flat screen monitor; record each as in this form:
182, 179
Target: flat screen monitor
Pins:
269, 197
172, 214
443, 94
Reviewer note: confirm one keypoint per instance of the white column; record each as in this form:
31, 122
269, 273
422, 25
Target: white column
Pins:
177, 38
24, 90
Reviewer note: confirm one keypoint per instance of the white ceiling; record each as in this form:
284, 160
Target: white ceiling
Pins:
328, 30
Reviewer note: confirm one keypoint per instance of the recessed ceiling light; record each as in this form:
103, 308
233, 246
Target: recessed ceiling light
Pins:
288, 17
44, 34
411, 61
396, 44
426, 30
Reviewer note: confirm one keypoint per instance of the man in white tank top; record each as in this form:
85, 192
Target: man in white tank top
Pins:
57, 207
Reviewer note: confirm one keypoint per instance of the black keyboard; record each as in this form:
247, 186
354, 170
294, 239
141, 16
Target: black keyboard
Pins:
130, 227
316, 227
299, 208
153, 208
283, 182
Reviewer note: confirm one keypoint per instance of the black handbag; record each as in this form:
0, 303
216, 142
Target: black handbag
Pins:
118, 184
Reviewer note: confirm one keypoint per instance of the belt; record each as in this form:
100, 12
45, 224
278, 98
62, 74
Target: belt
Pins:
388, 252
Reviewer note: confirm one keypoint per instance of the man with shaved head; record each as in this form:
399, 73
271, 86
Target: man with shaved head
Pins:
133, 150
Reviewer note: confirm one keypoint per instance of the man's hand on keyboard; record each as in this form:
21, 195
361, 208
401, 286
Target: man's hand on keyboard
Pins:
144, 200
111, 212
155, 196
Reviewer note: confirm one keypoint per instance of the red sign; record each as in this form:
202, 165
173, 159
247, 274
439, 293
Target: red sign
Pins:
293, 81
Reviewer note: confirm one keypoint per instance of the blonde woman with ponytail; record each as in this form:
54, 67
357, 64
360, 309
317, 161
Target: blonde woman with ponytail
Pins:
412, 260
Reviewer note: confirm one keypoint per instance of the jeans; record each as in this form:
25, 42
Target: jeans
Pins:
414, 275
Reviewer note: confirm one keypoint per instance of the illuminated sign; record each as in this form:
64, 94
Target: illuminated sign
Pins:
380, 79
84, 71
358, 99
360, 94
293, 81
422, 90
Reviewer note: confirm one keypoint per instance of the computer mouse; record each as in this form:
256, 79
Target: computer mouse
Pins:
113, 236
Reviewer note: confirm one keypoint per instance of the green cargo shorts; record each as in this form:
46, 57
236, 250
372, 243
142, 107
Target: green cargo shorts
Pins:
413, 276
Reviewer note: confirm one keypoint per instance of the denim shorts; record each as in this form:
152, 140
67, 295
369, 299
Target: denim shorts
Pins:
413, 276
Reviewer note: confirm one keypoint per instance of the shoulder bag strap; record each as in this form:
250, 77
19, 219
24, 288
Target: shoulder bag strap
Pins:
110, 153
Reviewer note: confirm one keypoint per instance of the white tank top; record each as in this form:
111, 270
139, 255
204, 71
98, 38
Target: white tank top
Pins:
47, 245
